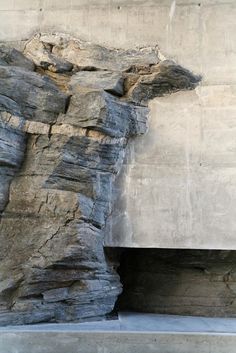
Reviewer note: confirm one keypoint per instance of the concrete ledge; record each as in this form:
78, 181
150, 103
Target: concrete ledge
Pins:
115, 342
132, 333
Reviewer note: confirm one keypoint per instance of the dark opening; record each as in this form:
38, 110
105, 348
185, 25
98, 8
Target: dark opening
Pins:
182, 282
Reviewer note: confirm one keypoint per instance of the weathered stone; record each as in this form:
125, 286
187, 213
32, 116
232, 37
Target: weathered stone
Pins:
30, 95
57, 247
50, 48
13, 57
40, 53
90, 108
61, 80
84, 164
168, 77
88, 167
107, 80
12, 147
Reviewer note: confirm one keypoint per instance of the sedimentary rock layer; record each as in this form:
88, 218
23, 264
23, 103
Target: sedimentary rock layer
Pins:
67, 111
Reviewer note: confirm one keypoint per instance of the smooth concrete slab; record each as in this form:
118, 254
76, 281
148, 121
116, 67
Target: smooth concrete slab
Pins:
130, 321
115, 342
132, 333
178, 186
141, 322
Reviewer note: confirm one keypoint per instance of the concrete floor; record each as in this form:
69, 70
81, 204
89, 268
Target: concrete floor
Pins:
131, 333
141, 322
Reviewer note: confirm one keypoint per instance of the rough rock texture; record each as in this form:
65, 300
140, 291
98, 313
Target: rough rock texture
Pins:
54, 52
164, 78
180, 282
13, 57
27, 94
110, 81
12, 147
63, 133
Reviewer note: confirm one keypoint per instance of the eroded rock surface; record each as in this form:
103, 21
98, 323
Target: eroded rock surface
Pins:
63, 133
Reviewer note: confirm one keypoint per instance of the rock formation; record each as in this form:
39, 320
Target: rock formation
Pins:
67, 111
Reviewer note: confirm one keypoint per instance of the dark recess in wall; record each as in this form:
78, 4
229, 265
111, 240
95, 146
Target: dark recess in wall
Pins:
182, 282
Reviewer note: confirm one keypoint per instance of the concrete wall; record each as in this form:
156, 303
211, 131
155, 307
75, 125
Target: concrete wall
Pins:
180, 182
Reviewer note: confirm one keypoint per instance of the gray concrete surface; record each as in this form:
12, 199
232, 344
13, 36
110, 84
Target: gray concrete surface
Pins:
130, 321
115, 342
179, 182
141, 322
133, 332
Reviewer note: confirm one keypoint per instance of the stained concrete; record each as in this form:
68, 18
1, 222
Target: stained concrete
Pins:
179, 182
133, 332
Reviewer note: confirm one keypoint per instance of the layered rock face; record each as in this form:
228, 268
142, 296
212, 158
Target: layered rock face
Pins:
67, 111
